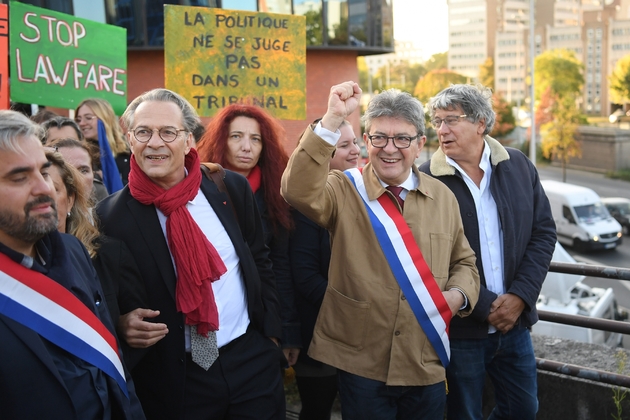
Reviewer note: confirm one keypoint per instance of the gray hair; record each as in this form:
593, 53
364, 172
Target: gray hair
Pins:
474, 100
190, 119
13, 127
393, 103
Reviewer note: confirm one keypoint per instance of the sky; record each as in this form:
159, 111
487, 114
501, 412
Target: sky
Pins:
423, 21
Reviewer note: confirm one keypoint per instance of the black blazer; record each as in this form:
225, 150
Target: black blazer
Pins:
30, 384
160, 372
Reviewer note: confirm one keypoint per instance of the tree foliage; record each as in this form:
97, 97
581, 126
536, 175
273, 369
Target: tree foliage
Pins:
486, 73
434, 81
314, 27
437, 61
620, 81
505, 121
403, 76
558, 133
560, 71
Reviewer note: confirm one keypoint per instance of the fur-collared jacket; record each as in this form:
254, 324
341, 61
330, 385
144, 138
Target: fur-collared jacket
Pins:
529, 231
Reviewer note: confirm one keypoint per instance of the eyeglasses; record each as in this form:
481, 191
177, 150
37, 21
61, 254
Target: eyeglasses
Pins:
450, 120
168, 134
400, 142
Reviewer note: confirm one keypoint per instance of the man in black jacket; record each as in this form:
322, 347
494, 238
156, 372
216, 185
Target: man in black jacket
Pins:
207, 339
60, 357
508, 222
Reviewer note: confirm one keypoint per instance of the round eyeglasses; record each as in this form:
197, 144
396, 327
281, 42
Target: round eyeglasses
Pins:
400, 142
168, 134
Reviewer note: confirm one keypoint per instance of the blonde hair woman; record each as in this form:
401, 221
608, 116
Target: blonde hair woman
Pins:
88, 114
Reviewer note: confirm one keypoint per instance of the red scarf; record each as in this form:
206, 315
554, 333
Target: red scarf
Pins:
196, 260
255, 178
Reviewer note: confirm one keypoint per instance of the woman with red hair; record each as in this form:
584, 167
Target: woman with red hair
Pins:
245, 139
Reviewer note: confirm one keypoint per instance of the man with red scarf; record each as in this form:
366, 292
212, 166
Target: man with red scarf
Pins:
205, 344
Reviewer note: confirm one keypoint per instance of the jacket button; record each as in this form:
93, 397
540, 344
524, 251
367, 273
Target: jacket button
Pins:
181, 361
403, 298
397, 333
469, 214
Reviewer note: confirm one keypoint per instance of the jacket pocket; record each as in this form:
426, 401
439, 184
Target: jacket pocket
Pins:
345, 321
441, 246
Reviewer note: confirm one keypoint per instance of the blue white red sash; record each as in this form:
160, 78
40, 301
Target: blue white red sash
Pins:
43, 305
409, 267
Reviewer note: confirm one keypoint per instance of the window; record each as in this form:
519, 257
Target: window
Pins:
566, 213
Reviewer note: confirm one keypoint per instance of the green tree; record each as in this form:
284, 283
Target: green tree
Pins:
560, 71
620, 81
486, 73
403, 76
434, 81
437, 61
505, 121
314, 27
558, 134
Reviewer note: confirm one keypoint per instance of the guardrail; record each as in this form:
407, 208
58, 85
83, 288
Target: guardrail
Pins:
614, 273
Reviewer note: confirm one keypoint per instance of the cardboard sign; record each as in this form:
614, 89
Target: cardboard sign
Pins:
215, 57
4, 55
59, 60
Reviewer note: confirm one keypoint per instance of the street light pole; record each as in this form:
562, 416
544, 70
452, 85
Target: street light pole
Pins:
532, 49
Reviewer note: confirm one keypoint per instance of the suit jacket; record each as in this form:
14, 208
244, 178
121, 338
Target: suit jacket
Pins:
161, 370
31, 386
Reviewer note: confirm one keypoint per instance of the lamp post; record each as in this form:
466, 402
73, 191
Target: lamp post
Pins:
532, 48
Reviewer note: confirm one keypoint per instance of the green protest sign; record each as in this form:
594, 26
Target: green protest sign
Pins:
59, 60
215, 57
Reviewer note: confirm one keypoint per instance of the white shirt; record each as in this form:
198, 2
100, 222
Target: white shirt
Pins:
229, 290
490, 233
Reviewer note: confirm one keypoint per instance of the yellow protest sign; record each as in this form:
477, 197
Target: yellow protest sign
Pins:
215, 57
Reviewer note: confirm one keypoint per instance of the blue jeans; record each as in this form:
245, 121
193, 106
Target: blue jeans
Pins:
367, 399
509, 361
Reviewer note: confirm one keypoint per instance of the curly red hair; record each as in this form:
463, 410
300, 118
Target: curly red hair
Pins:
273, 159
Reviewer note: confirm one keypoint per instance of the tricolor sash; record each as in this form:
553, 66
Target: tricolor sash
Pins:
409, 267
46, 307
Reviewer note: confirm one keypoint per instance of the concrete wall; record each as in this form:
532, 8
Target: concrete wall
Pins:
603, 149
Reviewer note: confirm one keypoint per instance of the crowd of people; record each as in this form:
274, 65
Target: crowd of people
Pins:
151, 267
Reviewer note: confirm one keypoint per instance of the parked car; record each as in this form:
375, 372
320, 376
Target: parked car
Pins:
619, 208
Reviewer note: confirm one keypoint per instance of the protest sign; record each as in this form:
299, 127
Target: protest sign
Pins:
215, 57
59, 60
4, 53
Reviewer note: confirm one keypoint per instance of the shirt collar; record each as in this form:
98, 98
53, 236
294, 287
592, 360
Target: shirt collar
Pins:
484, 163
411, 183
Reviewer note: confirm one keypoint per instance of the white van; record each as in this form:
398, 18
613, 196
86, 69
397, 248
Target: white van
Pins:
582, 220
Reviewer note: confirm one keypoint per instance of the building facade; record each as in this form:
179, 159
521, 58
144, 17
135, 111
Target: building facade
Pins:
597, 31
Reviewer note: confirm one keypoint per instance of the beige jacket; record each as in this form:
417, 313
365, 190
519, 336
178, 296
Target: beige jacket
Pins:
365, 326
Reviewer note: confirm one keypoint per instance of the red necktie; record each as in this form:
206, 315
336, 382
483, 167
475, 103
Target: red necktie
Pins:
396, 191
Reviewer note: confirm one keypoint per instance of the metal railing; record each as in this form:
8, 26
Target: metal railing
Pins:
614, 273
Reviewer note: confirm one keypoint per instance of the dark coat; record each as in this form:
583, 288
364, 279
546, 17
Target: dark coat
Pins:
310, 259
529, 232
161, 371
31, 386
278, 242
